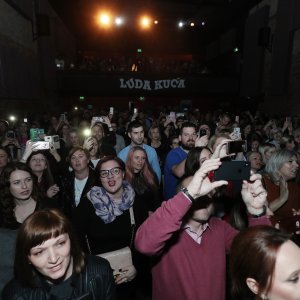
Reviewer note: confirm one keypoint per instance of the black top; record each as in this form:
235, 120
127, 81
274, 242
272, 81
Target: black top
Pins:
95, 282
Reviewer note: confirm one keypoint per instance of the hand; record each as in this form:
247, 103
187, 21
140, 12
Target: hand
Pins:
30, 147
88, 143
52, 191
254, 194
128, 275
106, 120
220, 150
283, 187
52, 149
201, 141
200, 184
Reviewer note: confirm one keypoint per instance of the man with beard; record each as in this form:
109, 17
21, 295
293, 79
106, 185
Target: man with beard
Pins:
175, 161
136, 134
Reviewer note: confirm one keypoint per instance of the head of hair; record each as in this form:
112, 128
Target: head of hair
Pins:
7, 203
146, 176
187, 124
265, 242
276, 161
36, 229
78, 148
213, 139
47, 177
134, 124
192, 163
151, 129
285, 140
264, 148
116, 159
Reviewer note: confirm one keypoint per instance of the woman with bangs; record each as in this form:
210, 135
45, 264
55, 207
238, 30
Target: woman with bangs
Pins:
49, 263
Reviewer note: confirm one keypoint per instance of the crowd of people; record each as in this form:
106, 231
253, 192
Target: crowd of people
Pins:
148, 187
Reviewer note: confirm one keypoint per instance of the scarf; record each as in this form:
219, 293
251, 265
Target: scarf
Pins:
105, 207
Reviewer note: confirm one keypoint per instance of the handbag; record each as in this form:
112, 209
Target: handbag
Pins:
120, 259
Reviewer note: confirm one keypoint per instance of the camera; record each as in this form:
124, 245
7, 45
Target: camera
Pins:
10, 134
98, 119
54, 140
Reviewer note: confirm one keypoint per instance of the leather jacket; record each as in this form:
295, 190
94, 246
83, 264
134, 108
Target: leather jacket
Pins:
95, 282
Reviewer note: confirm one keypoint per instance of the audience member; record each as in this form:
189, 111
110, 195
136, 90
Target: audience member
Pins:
136, 134
49, 263
184, 239
272, 273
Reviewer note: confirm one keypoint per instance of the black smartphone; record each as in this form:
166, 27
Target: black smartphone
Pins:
233, 170
236, 147
10, 134
202, 132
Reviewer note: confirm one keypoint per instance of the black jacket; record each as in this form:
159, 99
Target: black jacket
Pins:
68, 203
95, 282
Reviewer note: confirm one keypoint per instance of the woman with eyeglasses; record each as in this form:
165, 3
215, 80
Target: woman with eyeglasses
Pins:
19, 195
104, 218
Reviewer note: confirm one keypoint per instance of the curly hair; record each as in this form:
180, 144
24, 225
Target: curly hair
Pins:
7, 203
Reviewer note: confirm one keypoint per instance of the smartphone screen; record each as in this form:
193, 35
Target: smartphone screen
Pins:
233, 170
111, 110
236, 147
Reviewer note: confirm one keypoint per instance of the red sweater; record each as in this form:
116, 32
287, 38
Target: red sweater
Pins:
184, 269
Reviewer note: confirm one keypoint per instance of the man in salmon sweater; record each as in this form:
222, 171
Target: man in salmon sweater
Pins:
190, 246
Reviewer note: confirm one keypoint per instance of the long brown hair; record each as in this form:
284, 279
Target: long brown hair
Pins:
36, 229
7, 203
147, 174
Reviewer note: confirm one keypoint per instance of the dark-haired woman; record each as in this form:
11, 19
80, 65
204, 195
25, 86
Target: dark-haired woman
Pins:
105, 218
19, 195
265, 264
49, 263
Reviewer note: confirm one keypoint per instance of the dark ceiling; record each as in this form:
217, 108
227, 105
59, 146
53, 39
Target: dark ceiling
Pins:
218, 15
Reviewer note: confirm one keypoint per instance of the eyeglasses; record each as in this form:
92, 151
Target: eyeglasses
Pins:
113, 171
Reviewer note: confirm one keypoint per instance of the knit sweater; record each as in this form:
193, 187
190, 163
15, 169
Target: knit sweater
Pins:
184, 269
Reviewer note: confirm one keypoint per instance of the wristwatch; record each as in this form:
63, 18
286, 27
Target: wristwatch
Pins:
186, 192
261, 214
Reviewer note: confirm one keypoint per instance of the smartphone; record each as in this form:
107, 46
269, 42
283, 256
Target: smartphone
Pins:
233, 170
234, 147
98, 119
237, 132
288, 119
36, 134
41, 145
202, 132
10, 134
63, 117
25, 120
111, 110
135, 110
237, 119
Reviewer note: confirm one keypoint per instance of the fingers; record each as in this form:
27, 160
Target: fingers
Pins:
219, 183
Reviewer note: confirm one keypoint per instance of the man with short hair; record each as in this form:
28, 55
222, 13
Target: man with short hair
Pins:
175, 161
187, 245
136, 134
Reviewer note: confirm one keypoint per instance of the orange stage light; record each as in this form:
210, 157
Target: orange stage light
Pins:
145, 22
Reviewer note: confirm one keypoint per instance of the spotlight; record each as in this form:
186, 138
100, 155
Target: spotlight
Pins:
145, 22
104, 19
192, 24
12, 118
203, 23
180, 24
75, 108
155, 22
119, 21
